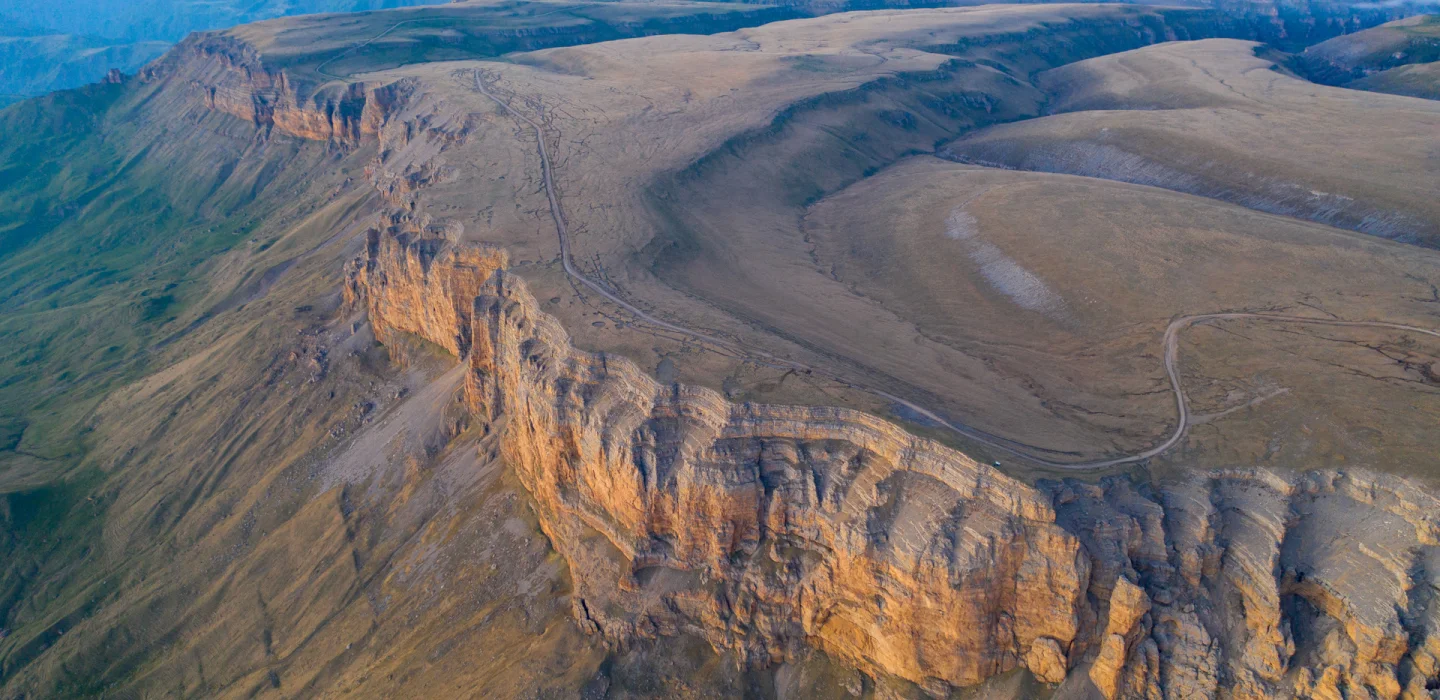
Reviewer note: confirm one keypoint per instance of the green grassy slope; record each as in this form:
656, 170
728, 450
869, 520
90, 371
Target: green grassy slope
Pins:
127, 226
110, 232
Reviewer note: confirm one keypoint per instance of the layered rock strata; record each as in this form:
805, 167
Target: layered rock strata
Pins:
768, 529
228, 75
414, 281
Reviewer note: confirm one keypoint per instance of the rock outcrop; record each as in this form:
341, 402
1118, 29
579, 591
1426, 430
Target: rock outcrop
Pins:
228, 76
414, 281
1255, 585
768, 529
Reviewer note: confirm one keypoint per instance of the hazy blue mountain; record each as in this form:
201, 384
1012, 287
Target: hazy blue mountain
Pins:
46, 46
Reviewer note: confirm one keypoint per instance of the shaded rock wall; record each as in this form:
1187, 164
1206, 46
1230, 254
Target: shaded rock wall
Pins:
1260, 585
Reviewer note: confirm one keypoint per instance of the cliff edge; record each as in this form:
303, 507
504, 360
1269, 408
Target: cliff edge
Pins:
770, 528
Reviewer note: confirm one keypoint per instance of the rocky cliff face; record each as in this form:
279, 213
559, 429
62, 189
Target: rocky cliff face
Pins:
770, 528
228, 75
413, 281
1255, 585
767, 527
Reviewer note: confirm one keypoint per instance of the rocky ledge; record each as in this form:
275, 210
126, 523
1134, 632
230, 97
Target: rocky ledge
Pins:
227, 75
768, 529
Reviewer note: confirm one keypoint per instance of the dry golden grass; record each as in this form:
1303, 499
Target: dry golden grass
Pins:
761, 185
1064, 285
1417, 80
1210, 118
684, 164
689, 168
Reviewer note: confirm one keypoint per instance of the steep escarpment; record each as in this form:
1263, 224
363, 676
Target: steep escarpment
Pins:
770, 529
228, 75
770, 526
414, 282
1260, 585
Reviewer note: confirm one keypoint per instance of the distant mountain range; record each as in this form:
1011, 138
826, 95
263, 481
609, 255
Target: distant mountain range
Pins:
53, 46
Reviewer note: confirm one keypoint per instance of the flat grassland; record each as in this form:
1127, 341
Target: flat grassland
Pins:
1064, 285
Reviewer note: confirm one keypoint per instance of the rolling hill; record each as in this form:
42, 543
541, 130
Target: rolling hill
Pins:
1396, 57
686, 349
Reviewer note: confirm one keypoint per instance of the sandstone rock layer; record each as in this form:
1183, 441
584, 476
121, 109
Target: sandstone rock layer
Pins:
771, 528
229, 76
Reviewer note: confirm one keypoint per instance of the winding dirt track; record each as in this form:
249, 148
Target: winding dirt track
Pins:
1172, 369
1028, 452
